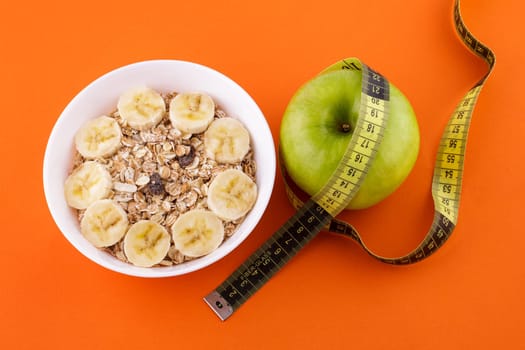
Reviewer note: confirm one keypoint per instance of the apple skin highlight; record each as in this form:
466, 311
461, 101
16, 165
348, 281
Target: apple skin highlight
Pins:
314, 134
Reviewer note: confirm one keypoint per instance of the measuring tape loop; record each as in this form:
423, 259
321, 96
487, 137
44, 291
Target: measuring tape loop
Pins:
319, 212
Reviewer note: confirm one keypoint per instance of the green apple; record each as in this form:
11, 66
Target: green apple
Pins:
317, 126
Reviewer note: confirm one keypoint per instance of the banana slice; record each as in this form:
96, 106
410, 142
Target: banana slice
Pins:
231, 194
191, 112
99, 137
146, 243
226, 140
86, 184
104, 223
141, 107
197, 232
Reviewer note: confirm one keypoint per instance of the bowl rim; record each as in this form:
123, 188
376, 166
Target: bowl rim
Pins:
265, 188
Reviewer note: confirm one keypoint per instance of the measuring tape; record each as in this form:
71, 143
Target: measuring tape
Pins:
318, 212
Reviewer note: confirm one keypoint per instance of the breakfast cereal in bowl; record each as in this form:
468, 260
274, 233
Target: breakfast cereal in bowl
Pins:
161, 178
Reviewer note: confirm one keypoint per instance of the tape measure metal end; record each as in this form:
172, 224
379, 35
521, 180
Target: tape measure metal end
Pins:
219, 305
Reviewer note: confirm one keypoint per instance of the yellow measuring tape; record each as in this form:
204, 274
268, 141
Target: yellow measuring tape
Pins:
318, 213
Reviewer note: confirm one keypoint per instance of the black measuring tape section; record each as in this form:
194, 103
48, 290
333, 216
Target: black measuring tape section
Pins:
273, 254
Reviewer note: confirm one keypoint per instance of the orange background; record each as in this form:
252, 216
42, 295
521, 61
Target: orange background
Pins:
469, 295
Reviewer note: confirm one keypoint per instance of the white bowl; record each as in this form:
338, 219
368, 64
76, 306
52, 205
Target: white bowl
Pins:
100, 97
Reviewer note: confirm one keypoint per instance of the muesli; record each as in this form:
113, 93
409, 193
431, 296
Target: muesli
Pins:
163, 179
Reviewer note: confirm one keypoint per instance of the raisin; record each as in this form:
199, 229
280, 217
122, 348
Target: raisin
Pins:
155, 186
187, 159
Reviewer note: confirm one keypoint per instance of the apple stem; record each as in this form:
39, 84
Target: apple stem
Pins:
345, 127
